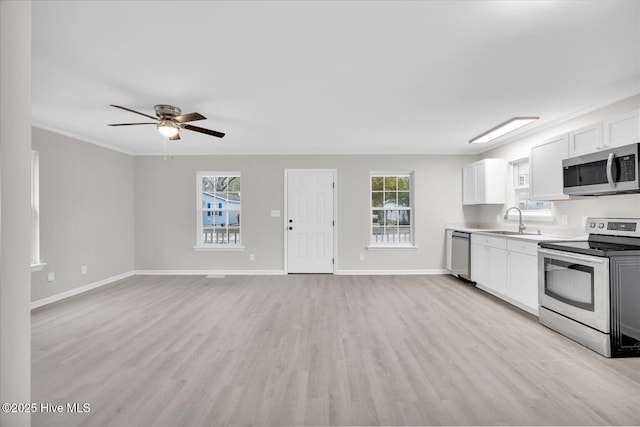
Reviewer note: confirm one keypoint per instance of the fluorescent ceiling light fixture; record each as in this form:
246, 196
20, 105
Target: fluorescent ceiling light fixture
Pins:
503, 129
167, 128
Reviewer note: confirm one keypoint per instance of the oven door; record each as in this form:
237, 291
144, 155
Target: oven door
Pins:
575, 286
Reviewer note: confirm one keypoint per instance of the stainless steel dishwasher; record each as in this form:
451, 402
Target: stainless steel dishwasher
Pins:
460, 255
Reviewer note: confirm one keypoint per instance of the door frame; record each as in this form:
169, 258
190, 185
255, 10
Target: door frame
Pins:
286, 215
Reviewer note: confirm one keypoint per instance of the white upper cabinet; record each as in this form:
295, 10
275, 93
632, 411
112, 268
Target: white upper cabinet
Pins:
484, 182
622, 130
545, 163
615, 132
586, 140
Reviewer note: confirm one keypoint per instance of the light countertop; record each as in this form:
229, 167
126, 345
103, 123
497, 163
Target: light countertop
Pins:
543, 236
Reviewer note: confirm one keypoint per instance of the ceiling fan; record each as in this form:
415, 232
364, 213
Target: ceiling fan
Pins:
169, 121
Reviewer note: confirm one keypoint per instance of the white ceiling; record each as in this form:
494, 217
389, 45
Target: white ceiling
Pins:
327, 76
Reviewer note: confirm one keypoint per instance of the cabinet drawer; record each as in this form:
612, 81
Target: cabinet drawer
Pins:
517, 245
491, 241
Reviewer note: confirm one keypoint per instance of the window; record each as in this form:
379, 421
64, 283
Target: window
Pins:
36, 263
391, 209
218, 209
520, 193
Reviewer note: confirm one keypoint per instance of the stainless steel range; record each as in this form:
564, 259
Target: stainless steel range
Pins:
590, 290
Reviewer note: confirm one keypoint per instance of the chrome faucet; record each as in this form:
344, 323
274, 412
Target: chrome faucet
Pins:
521, 226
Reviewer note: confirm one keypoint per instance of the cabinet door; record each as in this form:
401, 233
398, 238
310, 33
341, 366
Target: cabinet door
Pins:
622, 130
479, 268
495, 183
480, 172
497, 265
523, 279
585, 140
469, 185
545, 173
484, 182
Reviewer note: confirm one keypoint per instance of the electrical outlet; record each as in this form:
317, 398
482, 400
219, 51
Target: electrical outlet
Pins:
83, 269
252, 257
361, 257
51, 276
564, 220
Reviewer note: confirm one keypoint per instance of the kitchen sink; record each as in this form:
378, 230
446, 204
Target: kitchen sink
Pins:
509, 233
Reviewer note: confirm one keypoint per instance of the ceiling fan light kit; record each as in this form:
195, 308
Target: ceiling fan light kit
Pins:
169, 120
167, 128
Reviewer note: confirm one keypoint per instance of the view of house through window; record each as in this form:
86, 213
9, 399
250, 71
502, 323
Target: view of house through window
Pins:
520, 184
219, 208
391, 206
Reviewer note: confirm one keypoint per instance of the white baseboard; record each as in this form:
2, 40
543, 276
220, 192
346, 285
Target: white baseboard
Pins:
210, 272
79, 290
390, 272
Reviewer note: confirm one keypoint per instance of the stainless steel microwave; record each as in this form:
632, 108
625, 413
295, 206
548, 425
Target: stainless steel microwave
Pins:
613, 171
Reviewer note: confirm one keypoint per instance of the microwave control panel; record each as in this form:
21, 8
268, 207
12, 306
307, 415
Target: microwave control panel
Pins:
626, 168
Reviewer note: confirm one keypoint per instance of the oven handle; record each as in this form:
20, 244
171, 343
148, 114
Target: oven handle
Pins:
572, 256
610, 166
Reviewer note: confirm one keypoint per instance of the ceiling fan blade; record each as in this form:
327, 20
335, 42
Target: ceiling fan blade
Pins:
191, 117
203, 130
131, 124
174, 138
134, 111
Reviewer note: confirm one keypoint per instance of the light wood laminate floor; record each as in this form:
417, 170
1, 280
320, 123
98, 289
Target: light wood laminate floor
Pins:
316, 350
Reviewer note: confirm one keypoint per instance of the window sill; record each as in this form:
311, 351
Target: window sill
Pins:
37, 267
230, 248
392, 247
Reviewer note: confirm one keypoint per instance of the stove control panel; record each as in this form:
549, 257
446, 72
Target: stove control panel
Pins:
614, 226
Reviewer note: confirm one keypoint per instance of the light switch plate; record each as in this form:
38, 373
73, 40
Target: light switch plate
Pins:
275, 213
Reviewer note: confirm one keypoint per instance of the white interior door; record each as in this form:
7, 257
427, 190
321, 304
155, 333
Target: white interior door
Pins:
310, 222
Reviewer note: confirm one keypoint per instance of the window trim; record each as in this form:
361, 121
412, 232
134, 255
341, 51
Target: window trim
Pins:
411, 209
200, 245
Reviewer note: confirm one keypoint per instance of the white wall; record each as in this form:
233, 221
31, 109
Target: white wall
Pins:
574, 209
86, 204
165, 206
15, 224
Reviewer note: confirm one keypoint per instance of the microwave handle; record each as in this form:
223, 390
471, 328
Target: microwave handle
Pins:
610, 170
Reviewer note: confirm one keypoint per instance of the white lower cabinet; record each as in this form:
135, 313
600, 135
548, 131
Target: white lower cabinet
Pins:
479, 258
498, 278
523, 274
489, 262
507, 268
